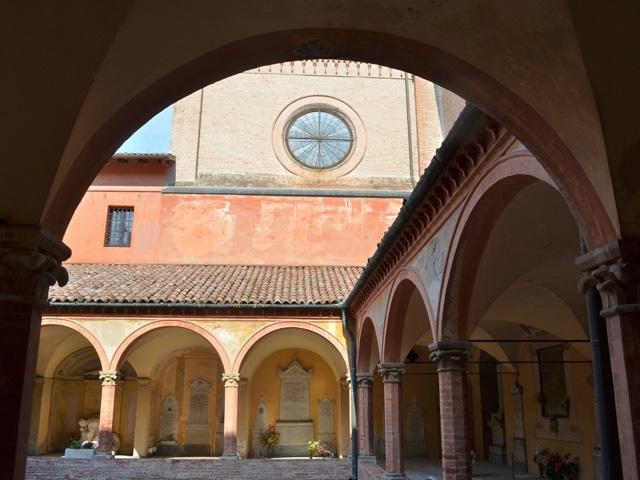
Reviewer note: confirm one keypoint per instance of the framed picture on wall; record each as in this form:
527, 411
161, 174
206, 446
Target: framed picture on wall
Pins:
553, 383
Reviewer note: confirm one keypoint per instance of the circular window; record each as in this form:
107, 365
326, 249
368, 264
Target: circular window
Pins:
319, 139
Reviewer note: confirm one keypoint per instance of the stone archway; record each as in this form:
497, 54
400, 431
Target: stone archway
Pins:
69, 361
294, 374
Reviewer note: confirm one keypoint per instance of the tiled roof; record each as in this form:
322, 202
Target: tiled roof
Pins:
205, 284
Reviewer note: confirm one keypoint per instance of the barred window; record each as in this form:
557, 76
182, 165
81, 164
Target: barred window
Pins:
119, 227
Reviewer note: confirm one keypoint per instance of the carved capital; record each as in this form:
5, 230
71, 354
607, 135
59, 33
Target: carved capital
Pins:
364, 380
391, 372
614, 270
30, 262
450, 356
231, 380
109, 378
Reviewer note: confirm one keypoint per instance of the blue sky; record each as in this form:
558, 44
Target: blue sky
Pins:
153, 137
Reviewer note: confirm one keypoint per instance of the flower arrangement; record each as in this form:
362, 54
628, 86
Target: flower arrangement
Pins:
270, 439
556, 466
74, 443
312, 447
320, 449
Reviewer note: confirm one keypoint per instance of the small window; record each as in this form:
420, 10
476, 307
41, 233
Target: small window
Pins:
119, 227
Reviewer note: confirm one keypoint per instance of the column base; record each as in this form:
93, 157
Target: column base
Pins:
394, 476
234, 458
366, 458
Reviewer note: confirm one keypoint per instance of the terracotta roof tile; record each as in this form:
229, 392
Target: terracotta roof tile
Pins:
205, 284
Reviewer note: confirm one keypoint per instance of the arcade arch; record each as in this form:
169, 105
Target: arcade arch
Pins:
179, 403
67, 386
511, 290
269, 353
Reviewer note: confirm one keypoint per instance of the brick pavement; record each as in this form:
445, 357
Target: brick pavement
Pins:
57, 468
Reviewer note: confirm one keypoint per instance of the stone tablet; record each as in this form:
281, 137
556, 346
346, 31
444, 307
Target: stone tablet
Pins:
294, 392
415, 442
169, 416
326, 431
197, 439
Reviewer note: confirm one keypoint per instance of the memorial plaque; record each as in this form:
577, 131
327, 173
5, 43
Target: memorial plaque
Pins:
197, 433
294, 425
415, 444
326, 432
294, 392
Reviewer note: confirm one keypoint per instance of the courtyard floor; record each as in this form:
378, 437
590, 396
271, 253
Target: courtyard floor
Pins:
54, 467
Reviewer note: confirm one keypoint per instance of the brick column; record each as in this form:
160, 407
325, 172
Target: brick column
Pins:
231, 383
614, 270
365, 416
107, 403
394, 453
143, 418
451, 358
29, 264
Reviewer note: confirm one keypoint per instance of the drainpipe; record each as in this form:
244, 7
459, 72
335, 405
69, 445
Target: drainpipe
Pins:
610, 462
409, 139
351, 349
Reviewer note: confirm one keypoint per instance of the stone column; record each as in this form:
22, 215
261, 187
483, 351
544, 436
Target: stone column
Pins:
30, 262
107, 403
451, 359
365, 416
614, 270
231, 383
143, 418
394, 454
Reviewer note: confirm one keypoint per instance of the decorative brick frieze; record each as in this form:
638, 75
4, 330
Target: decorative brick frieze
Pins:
489, 139
30, 263
331, 67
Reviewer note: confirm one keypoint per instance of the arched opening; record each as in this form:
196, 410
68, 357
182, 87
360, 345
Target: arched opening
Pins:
176, 406
408, 335
67, 387
512, 293
295, 384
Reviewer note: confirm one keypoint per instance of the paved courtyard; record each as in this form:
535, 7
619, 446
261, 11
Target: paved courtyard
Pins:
126, 468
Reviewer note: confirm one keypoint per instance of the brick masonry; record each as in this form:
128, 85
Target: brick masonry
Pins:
55, 468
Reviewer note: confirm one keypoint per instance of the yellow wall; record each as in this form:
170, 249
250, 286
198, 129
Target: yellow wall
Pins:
265, 381
194, 365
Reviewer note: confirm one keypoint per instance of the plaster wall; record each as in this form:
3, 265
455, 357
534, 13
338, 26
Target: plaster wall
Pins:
249, 230
265, 381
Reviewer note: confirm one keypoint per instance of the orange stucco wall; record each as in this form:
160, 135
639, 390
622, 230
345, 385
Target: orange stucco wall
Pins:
231, 229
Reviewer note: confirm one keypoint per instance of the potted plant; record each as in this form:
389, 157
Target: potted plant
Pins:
270, 439
77, 449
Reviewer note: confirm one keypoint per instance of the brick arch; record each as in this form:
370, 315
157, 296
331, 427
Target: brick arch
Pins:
489, 197
274, 327
406, 282
367, 345
284, 43
121, 352
86, 334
